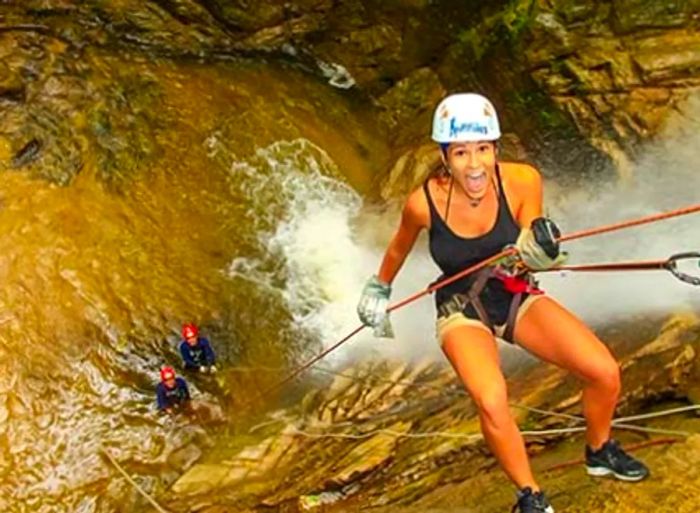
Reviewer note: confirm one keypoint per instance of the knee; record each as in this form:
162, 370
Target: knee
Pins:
493, 405
607, 376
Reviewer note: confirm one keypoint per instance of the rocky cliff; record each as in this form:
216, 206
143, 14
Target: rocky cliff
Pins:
579, 83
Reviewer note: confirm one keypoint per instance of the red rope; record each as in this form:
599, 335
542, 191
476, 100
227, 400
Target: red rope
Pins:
316, 358
641, 265
628, 224
498, 256
447, 281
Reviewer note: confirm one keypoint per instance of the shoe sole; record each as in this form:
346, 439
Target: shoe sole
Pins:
603, 472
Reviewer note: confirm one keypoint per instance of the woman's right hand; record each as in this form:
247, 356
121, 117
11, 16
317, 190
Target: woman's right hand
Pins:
372, 308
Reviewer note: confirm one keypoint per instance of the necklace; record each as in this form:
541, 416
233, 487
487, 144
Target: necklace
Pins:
475, 202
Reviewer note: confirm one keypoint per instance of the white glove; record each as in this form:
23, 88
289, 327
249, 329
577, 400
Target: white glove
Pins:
538, 246
203, 369
372, 307
212, 369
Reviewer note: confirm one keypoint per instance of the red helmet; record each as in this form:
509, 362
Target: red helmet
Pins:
190, 330
167, 373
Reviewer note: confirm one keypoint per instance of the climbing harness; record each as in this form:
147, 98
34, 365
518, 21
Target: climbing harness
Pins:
516, 284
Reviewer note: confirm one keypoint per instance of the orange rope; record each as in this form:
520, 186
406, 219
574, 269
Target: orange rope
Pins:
641, 265
316, 358
498, 256
395, 306
469, 270
628, 224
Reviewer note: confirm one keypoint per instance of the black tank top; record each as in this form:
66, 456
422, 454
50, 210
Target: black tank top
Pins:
453, 253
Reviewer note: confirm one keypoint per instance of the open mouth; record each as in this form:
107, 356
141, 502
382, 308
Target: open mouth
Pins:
476, 182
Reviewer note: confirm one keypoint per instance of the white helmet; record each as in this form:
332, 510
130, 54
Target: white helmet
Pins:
465, 117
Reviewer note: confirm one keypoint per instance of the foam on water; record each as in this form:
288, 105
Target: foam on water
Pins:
315, 256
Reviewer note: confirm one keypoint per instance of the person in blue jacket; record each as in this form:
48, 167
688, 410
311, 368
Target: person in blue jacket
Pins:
172, 392
196, 351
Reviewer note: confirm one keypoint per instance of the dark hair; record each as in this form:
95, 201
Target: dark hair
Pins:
439, 170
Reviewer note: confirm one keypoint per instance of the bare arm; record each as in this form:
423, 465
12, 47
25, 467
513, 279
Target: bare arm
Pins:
530, 190
413, 220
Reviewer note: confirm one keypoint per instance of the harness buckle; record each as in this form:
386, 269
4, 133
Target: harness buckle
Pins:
455, 304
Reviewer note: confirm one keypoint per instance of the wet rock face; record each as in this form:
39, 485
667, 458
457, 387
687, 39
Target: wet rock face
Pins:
579, 79
631, 15
400, 437
57, 101
618, 69
585, 81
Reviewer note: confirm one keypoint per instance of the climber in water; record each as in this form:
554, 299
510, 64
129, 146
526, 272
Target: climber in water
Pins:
172, 392
196, 351
474, 206
173, 397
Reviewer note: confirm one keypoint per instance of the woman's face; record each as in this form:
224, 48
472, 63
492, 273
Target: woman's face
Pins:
472, 164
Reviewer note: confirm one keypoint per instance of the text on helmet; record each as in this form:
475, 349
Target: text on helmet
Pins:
471, 127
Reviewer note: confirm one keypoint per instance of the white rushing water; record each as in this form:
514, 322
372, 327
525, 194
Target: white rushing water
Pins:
666, 177
322, 243
316, 255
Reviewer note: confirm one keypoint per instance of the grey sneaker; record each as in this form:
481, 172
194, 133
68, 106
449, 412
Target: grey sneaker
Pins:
610, 459
532, 502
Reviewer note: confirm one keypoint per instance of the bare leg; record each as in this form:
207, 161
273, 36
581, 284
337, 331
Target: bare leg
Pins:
473, 353
552, 333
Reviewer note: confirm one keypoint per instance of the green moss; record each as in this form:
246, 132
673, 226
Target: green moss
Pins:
472, 40
508, 25
517, 17
536, 103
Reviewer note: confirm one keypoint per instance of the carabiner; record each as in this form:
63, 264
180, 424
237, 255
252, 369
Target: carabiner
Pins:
671, 265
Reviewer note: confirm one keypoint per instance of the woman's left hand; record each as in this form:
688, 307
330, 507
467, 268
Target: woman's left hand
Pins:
538, 245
